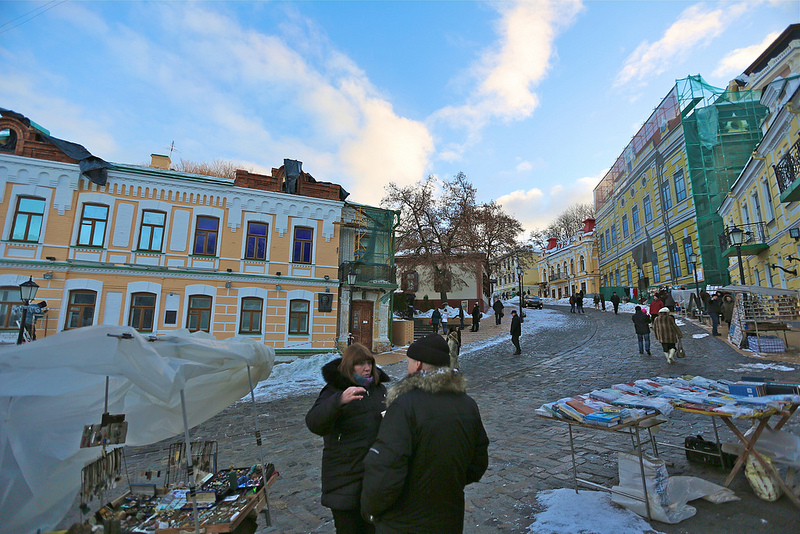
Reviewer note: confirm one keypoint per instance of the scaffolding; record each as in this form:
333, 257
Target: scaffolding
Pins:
368, 246
721, 128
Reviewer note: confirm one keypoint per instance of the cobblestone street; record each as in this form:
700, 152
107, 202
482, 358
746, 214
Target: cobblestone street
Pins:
528, 454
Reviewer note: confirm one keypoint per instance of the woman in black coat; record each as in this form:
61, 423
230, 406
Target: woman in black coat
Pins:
347, 415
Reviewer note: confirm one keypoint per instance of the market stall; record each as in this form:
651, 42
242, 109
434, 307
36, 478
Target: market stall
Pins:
759, 313
51, 390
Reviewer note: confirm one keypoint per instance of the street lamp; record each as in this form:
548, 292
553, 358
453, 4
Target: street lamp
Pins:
27, 292
519, 276
352, 275
736, 235
693, 260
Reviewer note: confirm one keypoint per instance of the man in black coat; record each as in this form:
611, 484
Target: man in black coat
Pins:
431, 444
516, 331
498, 310
641, 323
476, 318
615, 301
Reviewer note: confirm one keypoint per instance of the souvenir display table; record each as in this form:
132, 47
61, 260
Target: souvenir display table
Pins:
629, 407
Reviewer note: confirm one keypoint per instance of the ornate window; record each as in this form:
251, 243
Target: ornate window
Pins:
302, 246
80, 310
142, 312
92, 231
27, 225
205, 236
199, 313
298, 316
151, 235
250, 322
256, 248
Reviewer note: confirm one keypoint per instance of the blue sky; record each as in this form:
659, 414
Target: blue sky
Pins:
533, 101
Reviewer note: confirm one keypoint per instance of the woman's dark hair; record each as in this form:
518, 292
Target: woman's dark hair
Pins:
352, 356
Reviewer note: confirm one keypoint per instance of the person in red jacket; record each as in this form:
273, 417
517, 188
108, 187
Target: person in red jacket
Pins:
656, 305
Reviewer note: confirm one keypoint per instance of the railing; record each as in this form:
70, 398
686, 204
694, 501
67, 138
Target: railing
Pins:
754, 233
369, 273
788, 168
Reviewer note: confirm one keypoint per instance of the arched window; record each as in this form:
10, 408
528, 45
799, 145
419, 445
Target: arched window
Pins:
142, 312
583, 264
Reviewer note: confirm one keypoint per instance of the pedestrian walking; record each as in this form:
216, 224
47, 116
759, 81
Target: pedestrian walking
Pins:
516, 331
347, 414
498, 310
461, 316
603, 301
476, 318
579, 303
444, 321
431, 444
714, 309
727, 309
596, 301
454, 346
572, 303
641, 323
436, 318
669, 300
615, 301
656, 305
667, 333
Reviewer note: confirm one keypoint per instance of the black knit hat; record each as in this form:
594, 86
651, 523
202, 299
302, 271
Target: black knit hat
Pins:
431, 349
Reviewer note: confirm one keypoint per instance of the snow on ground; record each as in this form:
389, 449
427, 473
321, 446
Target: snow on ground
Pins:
758, 367
587, 512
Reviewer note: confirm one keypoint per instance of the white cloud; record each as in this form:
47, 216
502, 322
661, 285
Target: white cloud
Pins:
739, 59
695, 27
508, 72
536, 208
523, 166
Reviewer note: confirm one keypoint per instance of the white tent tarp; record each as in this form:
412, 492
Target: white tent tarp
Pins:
51, 388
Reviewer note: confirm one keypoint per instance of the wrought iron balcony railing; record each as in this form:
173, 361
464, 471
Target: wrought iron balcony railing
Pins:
754, 238
787, 169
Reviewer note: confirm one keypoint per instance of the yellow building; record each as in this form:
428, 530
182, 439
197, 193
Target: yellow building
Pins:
570, 266
507, 276
160, 250
656, 207
763, 201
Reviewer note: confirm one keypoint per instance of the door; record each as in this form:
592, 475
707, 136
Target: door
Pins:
362, 322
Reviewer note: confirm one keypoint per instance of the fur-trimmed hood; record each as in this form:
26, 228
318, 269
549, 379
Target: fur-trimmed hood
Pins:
335, 379
443, 380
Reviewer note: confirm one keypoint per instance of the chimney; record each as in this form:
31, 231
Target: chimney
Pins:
552, 242
158, 161
588, 225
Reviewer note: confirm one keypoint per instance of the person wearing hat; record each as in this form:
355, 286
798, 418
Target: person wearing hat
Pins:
431, 444
667, 333
347, 414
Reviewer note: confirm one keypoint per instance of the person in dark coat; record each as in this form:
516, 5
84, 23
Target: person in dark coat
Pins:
641, 323
476, 318
461, 316
615, 301
714, 309
431, 444
669, 300
436, 317
516, 331
498, 310
727, 309
347, 414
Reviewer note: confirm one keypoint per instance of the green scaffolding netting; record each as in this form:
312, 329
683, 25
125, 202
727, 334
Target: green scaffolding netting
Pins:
721, 129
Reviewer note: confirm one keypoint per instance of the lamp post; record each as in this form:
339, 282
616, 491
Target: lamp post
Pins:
736, 235
352, 275
27, 292
693, 260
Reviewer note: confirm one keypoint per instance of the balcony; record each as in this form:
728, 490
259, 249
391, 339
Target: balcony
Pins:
369, 274
787, 171
754, 240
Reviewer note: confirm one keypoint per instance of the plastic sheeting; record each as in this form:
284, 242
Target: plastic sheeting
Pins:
51, 388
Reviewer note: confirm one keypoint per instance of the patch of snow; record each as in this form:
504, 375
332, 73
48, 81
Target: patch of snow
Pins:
586, 512
749, 367
699, 336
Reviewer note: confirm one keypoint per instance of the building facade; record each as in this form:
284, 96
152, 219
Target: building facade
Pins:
507, 277
657, 205
765, 199
160, 250
570, 266
467, 285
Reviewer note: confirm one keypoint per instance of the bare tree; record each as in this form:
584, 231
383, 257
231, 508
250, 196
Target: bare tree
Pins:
565, 225
434, 229
220, 168
494, 232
